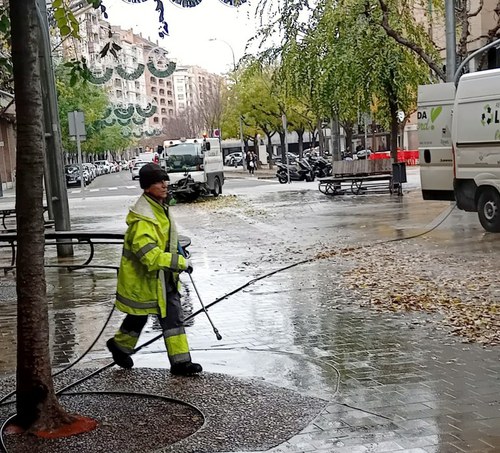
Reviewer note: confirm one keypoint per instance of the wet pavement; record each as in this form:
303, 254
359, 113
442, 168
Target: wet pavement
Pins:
393, 380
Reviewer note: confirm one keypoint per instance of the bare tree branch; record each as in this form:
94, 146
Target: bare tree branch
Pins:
405, 42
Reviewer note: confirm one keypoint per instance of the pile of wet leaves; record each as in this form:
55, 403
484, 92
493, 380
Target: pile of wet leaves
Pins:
394, 277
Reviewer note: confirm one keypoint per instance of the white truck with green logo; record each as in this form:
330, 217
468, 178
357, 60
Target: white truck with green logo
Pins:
459, 144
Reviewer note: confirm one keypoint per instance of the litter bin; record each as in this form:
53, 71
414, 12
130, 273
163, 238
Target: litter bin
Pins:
399, 172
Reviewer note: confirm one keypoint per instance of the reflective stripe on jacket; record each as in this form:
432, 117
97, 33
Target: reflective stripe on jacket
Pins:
150, 260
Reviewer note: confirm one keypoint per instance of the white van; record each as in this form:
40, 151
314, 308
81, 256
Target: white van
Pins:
468, 166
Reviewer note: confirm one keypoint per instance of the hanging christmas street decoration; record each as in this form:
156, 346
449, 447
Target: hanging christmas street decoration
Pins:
100, 79
126, 132
137, 134
186, 3
130, 75
124, 113
109, 121
157, 132
159, 64
109, 111
163, 28
138, 121
148, 112
234, 3
124, 122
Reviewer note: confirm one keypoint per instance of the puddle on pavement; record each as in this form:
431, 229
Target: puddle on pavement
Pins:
273, 367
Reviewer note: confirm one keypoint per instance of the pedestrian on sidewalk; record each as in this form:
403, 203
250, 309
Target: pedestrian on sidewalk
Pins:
148, 278
251, 162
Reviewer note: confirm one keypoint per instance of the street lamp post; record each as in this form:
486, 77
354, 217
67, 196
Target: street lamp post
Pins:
242, 142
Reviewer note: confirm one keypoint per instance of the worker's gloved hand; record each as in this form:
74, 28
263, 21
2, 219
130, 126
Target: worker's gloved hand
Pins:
189, 268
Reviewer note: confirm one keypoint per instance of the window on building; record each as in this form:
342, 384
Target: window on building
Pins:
119, 93
169, 93
137, 86
162, 92
162, 101
182, 105
156, 120
163, 111
180, 97
170, 103
161, 82
152, 79
118, 82
155, 99
169, 84
153, 90
170, 112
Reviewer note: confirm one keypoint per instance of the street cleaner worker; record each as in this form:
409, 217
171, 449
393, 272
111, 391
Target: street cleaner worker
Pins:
148, 279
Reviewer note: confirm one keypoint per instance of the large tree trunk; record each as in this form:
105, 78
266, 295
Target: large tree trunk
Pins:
37, 405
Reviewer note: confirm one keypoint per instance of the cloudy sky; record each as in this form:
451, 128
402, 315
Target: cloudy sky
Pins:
191, 30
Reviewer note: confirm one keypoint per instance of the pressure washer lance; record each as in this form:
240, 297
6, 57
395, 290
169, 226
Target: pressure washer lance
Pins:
217, 334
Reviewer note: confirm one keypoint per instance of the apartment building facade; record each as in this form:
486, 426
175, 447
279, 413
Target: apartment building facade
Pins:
139, 73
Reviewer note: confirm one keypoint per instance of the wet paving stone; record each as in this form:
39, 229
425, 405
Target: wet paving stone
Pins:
410, 384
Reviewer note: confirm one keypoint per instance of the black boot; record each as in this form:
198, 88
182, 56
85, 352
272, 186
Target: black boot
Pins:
186, 369
121, 358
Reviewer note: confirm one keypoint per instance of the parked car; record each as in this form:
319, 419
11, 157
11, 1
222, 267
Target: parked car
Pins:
72, 173
234, 159
363, 154
92, 169
104, 165
135, 169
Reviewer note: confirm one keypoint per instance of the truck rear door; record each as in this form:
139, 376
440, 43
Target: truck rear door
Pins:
434, 116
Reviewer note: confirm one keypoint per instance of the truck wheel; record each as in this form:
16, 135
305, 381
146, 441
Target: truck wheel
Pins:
217, 187
488, 209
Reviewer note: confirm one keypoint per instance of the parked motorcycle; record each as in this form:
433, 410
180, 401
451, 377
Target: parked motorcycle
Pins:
321, 167
301, 170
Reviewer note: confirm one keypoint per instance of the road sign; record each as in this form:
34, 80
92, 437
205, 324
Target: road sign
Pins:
76, 122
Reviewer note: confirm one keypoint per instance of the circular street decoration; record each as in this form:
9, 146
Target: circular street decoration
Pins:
159, 64
109, 121
124, 122
137, 134
138, 121
126, 132
101, 77
108, 111
130, 75
186, 3
131, 2
124, 113
233, 2
148, 112
157, 132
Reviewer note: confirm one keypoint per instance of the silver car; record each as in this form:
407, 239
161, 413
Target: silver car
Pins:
135, 169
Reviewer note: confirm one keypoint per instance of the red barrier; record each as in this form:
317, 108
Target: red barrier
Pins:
409, 157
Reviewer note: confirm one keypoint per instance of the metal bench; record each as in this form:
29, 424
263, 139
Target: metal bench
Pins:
359, 177
6, 213
90, 238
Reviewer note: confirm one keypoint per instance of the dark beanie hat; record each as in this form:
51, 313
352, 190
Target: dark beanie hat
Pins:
150, 174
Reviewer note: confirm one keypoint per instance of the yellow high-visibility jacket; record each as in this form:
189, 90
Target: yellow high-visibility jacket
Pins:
150, 260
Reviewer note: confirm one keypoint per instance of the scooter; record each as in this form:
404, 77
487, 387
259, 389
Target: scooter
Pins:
321, 167
301, 170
